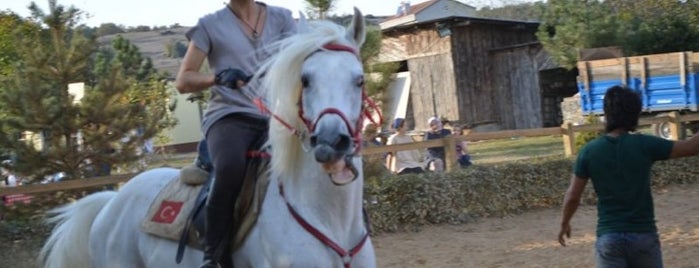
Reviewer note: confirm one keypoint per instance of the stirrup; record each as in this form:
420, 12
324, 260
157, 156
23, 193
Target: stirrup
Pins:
210, 264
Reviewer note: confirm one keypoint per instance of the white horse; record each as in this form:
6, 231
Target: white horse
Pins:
315, 88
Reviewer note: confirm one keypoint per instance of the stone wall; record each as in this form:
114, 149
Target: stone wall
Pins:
572, 111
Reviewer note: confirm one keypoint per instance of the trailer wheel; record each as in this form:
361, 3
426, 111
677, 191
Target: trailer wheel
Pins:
694, 127
662, 130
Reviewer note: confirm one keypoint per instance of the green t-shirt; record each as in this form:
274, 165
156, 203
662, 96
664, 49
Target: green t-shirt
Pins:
620, 171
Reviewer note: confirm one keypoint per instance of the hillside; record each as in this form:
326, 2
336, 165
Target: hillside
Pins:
153, 44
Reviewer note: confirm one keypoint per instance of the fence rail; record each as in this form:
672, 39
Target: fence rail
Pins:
567, 132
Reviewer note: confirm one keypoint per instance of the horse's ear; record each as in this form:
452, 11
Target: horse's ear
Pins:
357, 29
302, 24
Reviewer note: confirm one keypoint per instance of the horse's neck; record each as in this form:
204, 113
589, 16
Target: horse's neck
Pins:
337, 209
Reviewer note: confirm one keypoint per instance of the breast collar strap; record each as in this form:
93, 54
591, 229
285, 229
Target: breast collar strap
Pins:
344, 254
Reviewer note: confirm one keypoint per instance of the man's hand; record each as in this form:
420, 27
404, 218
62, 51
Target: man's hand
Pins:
563, 234
232, 78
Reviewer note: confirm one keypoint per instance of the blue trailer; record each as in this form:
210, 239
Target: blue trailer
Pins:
666, 82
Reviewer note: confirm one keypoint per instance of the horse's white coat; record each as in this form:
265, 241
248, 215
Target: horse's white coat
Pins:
277, 240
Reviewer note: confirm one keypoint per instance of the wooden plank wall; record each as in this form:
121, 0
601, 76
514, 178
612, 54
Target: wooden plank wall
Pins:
432, 76
519, 97
625, 68
432, 89
478, 99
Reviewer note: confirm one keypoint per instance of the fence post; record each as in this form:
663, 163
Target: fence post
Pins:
450, 153
676, 129
568, 139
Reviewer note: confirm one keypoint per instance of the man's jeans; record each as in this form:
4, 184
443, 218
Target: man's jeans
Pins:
628, 250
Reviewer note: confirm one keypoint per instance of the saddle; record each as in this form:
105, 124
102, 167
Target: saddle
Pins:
193, 187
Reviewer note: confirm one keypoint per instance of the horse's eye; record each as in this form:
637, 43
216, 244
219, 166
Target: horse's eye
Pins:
304, 81
360, 81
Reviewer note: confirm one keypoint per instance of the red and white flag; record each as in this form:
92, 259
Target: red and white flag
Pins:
168, 211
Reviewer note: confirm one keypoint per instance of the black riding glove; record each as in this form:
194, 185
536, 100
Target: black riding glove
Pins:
232, 78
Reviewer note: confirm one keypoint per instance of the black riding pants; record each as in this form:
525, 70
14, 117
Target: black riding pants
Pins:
228, 140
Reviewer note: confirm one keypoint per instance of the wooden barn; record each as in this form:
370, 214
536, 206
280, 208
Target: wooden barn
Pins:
488, 73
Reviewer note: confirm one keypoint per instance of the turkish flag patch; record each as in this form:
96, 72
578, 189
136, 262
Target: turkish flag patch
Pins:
168, 211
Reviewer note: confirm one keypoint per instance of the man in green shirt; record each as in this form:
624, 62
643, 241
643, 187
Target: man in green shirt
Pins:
619, 164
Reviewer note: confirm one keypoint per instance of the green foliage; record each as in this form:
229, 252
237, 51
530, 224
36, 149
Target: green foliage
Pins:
318, 9
638, 26
523, 12
583, 137
380, 74
123, 93
109, 29
11, 26
175, 49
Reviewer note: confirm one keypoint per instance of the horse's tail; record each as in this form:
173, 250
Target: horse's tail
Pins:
68, 245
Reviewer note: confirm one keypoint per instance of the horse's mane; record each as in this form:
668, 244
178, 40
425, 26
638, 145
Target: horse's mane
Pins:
282, 84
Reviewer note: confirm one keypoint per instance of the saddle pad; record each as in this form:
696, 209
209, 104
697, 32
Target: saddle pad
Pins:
168, 213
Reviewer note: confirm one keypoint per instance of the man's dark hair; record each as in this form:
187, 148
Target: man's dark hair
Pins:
622, 107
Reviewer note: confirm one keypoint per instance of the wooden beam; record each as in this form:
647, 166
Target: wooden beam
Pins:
450, 153
567, 131
569, 139
676, 128
66, 185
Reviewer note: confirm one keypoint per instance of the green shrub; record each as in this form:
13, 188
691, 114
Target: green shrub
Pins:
407, 202
582, 138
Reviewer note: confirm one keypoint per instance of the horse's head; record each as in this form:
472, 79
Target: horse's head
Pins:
328, 98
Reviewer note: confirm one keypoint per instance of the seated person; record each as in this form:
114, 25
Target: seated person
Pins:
407, 161
370, 136
463, 157
435, 155
370, 139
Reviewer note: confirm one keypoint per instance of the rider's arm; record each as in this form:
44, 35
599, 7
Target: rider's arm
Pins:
189, 79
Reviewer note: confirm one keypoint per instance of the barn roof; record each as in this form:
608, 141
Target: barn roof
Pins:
461, 21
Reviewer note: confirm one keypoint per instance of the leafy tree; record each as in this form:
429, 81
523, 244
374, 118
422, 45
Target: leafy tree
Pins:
380, 75
48, 129
109, 29
638, 26
523, 11
140, 28
11, 25
319, 9
175, 49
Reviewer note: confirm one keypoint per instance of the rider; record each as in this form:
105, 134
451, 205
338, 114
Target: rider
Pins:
233, 37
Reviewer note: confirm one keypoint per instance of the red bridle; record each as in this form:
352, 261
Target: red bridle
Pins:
368, 105
365, 111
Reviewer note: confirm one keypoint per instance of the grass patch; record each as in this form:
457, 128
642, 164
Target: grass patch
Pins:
516, 148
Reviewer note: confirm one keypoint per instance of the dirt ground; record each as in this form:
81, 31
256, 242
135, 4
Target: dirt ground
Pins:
530, 239
525, 240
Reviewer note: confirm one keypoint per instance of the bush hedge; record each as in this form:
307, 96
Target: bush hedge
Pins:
407, 202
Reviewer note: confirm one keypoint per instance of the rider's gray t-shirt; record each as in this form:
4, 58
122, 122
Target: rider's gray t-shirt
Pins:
220, 36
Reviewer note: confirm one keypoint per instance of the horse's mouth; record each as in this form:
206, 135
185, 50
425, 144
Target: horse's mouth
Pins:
341, 171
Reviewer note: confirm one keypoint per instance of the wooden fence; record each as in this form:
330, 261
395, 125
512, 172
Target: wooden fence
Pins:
567, 132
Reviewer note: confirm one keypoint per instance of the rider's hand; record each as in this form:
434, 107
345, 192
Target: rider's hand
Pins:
232, 78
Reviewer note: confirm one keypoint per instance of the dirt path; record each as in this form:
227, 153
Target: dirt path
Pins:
525, 240
529, 239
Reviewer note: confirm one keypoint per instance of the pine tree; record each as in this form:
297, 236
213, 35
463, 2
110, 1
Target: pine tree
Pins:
318, 9
50, 130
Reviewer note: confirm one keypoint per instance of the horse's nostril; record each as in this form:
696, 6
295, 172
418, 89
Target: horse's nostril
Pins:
342, 143
339, 143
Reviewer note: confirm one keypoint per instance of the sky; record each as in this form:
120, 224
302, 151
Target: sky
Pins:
184, 12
